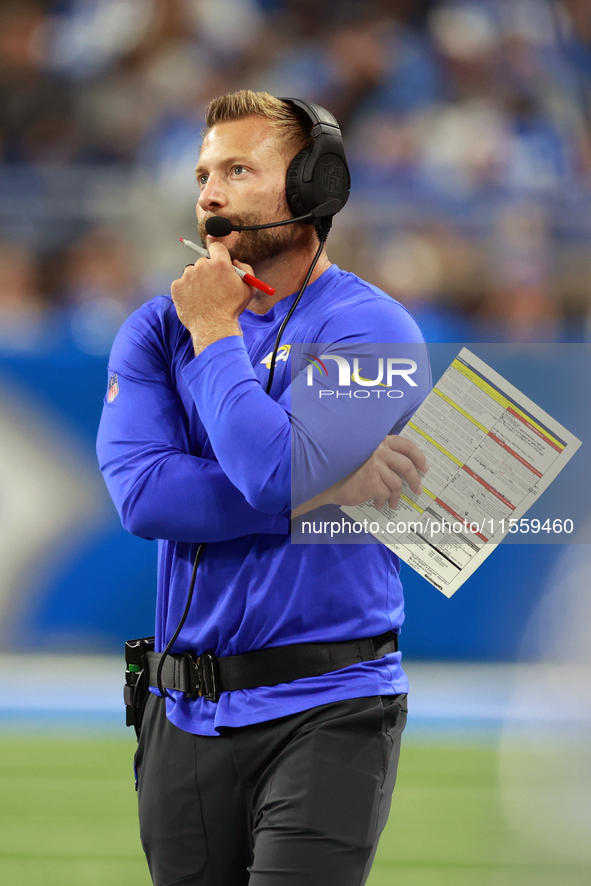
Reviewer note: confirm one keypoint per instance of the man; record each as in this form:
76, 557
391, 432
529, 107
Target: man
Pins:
269, 780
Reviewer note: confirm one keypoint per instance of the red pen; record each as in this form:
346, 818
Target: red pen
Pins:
248, 278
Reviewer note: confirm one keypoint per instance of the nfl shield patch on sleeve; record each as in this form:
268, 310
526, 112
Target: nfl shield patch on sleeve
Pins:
113, 388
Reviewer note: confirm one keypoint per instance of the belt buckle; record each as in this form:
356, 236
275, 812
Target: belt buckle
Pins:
207, 686
201, 675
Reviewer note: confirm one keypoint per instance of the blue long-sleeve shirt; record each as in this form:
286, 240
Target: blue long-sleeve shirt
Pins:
193, 450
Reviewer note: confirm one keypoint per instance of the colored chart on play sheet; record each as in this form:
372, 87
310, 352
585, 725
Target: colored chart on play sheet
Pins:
491, 453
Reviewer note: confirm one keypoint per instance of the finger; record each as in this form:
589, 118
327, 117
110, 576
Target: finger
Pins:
382, 495
406, 447
218, 252
391, 480
401, 466
394, 501
388, 486
244, 267
188, 269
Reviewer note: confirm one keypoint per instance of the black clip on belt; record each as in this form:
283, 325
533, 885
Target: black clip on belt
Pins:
206, 675
200, 674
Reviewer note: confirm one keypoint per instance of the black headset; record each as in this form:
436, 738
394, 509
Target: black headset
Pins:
319, 173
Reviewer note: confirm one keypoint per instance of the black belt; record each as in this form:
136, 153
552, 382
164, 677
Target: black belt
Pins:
207, 675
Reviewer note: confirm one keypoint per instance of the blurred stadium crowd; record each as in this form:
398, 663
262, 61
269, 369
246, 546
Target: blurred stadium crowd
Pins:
467, 124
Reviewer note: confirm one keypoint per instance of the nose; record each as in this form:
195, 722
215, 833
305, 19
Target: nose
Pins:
212, 197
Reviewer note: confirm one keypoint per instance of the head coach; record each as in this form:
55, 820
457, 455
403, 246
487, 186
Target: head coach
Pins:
269, 742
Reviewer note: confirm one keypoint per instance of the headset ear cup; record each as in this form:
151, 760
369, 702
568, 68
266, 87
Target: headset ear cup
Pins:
293, 189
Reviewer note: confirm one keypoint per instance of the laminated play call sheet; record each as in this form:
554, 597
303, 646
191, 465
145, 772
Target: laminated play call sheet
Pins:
491, 453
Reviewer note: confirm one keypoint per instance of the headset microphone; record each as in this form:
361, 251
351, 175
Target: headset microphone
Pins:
219, 226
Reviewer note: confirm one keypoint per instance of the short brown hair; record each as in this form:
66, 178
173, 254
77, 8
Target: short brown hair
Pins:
292, 125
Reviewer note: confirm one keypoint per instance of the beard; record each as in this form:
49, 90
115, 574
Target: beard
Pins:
254, 247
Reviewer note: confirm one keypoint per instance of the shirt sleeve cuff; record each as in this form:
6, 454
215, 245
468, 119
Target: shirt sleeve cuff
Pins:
227, 347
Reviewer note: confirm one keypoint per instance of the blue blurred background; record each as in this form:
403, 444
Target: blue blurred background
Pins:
468, 128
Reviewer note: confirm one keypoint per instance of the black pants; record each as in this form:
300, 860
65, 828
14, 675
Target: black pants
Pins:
296, 801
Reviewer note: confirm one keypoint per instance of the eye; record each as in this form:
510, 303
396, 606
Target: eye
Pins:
238, 170
202, 179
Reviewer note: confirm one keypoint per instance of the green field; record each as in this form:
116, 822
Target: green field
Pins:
68, 817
